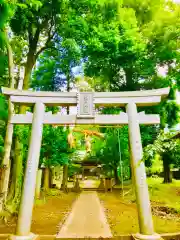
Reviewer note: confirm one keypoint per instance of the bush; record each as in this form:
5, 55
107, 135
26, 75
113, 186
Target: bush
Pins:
156, 167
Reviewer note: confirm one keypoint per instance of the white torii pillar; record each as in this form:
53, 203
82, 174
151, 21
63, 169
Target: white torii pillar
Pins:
139, 176
27, 200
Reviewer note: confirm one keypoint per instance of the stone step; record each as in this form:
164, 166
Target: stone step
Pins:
91, 189
46, 237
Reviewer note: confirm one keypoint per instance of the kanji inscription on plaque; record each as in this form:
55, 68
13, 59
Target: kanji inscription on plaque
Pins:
85, 105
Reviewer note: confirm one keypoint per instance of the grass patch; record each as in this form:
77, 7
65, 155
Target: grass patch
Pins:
165, 194
40, 201
122, 212
53, 192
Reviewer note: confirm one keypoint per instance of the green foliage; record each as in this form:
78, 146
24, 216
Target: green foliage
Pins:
175, 152
19, 46
171, 114
55, 149
1, 147
156, 166
167, 148
3, 68
73, 169
148, 134
30, 15
3, 119
44, 76
170, 109
55, 66
70, 55
36, 24
124, 42
4, 13
36, 4
108, 152
23, 134
115, 45
3, 108
113, 148
6, 10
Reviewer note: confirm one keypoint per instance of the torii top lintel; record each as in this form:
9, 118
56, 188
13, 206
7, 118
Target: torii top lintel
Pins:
141, 98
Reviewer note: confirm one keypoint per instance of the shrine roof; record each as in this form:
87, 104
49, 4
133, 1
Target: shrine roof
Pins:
89, 162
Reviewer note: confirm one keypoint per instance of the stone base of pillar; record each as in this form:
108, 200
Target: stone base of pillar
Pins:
139, 236
31, 236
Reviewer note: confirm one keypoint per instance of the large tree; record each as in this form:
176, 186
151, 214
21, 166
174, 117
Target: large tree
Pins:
164, 144
56, 73
169, 152
126, 46
36, 23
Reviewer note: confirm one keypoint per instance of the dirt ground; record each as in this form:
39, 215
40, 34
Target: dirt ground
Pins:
123, 219
48, 214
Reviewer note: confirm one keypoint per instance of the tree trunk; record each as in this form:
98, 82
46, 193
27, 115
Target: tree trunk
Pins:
83, 173
12, 184
16, 185
10, 62
65, 178
28, 69
65, 170
130, 86
13, 203
167, 171
17, 178
9, 129
65, 167
46, 179
6, 159
117, 181
10, 66
52, 177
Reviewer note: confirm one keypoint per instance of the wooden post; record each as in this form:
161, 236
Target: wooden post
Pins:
38, 183
27, 200
83, 173
46, 183
139, 174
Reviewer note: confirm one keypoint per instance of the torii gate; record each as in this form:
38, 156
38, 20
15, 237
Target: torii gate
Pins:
86, 102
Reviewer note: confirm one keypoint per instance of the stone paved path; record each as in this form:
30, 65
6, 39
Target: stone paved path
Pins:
87, 219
